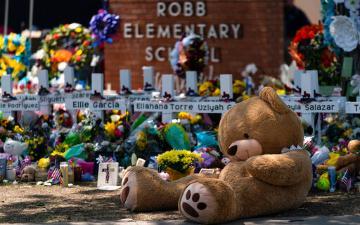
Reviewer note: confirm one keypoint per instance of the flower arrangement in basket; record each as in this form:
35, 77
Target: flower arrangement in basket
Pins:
310, 52
178, 163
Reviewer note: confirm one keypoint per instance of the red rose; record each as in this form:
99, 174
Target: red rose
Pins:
56, 36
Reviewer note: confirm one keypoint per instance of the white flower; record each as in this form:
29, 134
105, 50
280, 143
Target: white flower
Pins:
352, 5
39, 54
344, 32
73, 26
251, 68
62, 66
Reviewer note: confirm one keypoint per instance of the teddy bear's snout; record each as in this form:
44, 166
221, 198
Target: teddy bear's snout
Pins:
241, 150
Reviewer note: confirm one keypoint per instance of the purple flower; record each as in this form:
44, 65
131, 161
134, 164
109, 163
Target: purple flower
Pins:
103, 25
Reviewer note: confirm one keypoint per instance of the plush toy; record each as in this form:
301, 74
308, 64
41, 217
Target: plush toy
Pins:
268, 173
28, 174
15, 148
349, 162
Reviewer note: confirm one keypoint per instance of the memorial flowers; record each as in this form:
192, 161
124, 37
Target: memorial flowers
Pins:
14, 53
69, 44
117, 125
345, 34
181, 161
191, 53
103, 25
310, 52
342, 23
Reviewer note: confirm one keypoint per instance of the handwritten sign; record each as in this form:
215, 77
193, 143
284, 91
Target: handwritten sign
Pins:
313, 107
352, 107
195, 107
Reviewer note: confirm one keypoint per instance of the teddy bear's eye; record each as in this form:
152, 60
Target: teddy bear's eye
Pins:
246, 136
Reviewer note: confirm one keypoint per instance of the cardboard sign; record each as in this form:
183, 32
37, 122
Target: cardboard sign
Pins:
108, 175
352, 107
313, 107
194, 107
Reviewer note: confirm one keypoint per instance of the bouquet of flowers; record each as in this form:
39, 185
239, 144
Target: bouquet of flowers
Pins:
8, 128
210, 88
310, 52
117, 125
191, 53
14, 55
103, 25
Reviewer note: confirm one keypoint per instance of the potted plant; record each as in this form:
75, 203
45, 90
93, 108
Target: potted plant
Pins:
178, 163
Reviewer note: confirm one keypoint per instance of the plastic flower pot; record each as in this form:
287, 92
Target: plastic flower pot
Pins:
175, 175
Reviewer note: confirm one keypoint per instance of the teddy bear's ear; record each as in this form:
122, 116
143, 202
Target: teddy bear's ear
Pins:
269, 95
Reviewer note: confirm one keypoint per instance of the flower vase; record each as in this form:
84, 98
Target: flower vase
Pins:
175, 175
11, 174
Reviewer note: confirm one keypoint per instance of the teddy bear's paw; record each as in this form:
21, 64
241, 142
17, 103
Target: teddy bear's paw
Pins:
128, 190
197, 203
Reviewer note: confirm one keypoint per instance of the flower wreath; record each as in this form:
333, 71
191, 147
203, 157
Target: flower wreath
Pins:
67, 44
191, 53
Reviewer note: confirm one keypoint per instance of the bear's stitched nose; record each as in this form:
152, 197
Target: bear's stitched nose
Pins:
232, 150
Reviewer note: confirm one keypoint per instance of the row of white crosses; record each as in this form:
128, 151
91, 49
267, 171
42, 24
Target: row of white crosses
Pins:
308, 83
78, 100
143, 103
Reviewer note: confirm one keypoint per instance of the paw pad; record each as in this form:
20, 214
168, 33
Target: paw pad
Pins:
197, 202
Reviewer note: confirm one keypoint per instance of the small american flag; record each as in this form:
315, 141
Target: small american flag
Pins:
55, 175
346, 181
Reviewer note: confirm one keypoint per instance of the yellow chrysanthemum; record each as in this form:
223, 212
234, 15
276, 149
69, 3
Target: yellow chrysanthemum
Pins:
18, 129
217, 92
110, 128
184, 116
141, 140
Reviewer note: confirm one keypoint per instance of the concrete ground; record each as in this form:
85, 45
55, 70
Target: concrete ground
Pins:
314, 220
80, 205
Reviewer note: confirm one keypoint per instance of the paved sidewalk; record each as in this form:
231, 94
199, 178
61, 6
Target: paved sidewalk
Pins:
314, 220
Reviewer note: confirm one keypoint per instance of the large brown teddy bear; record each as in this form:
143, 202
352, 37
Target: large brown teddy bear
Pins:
266, 174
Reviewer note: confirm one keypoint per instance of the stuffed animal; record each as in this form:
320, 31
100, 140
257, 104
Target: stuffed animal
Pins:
349, 162
15, 148
269, 172
28, 174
